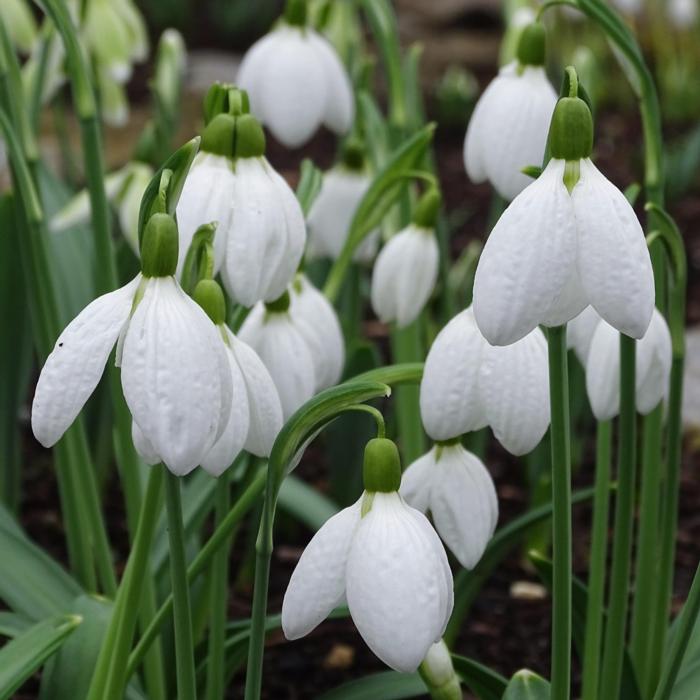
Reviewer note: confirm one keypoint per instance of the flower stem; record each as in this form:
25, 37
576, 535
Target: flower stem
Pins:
184, 645
596, 571
561, 517
614, 647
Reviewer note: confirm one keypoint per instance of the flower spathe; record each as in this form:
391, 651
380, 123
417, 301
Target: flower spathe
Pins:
296, 82
553, 252
404, 275
174, 371
653, 368
389, 565
457, 489
468, 384
508, 129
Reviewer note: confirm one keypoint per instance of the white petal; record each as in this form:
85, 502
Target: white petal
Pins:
613, 259
654, 355
263, 399
250, 72
579, 333
404, 275
514, 390
463, 504
173, 375
603, 372
416, 481
233, 438
397, 587
340, 104
449, 397
571, 301
318, 323
143, 447
76, 363
285, 353
527, 260
317, 584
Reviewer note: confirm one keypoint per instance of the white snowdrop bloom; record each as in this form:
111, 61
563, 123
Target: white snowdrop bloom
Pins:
279, 342
457, 489
331, 214
579, 332
653, 368
568, 240
385, 559
683, 13
174, 369
296, 82
508, 129
318, 323
468, 384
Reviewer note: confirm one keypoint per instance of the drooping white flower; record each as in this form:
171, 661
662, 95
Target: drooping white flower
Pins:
296, 82
508, 129
579, 333
683, 13
318, 323
331, 214
561, 246
279, 342
174, 369
468, 384
457, 489
653, 367
384, 558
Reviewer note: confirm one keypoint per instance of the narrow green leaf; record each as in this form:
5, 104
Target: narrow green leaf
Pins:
526, 685
387, 685
22, 656
310, 180
487, 684
12, 624
305, 503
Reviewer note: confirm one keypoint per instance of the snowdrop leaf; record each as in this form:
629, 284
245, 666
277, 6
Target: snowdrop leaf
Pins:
487, 684
388, 685
526, 685
305, 503
310, 178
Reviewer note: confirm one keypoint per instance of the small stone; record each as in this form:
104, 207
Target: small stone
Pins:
340, 657
527, 590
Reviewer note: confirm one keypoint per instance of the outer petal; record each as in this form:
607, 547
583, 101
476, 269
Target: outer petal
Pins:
404, 275
397, 587
340, 104
285, 353
318, 323
417, 481
654, 356
514, 389
603, 372
449, 397
580, 332
614, 263
463, 504
75, 365
251, 70
527, 260
143, 446
318, 582
173, 375
263, 399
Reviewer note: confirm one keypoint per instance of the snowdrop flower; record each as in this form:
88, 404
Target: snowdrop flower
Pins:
384, 558
280, 343
180, 398
457, 489
406, 268
683, 13
261, 233
579, 333
296, 81
653, 368
508, 129
569, 240
19, 21
468, 384
318, 323
331, 213
256, 412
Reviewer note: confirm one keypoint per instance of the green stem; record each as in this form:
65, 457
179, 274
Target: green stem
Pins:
109, 678
597, 568
561, 517
614, 648
219, 601
184, 645
646, 573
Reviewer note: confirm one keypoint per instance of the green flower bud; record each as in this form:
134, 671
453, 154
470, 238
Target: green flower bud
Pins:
381, 470
219, 135
209, 296
571, 130
225, 98
250, 138
439, 675
532, 45
426, 211
159, 247
295, 13
279, 305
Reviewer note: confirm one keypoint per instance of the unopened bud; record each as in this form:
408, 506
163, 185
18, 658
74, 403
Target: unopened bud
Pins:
439, 674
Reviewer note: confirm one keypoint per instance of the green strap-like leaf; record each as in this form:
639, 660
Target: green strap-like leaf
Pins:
387, 685
487, 684
305, 503
526, 685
